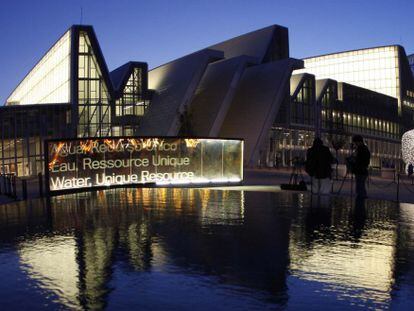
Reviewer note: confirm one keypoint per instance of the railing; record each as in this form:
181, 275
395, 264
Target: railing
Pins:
8, 185
21, 188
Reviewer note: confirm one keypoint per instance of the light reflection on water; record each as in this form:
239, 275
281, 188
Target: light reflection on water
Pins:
350, 250
205, 249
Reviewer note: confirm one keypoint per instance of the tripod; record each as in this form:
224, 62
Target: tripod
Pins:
296, 172
349, 165
343, 181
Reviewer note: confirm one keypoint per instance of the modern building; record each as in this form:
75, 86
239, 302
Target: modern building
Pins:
374, 96
70, 93
246, 87
335, 111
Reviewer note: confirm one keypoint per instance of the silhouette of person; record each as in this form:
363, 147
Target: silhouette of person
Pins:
360, 162
318, 166
410, 169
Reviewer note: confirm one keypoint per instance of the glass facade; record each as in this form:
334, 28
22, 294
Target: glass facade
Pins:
132, 101
22, 132
411, 62
302, 109
359, 124
330, 119
93, 97
73, 85
287, 145
376, 69
344, 110
49, 81
293, 130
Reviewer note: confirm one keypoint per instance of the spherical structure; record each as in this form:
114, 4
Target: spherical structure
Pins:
407, 147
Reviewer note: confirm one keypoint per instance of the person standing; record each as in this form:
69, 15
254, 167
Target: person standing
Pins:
410, 169
361, 159
318, 166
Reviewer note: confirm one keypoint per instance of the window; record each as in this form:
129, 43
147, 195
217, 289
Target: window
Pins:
132, 100
302, 108
94, 114
48, 81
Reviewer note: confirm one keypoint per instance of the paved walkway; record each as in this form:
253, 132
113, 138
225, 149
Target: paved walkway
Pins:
377, 187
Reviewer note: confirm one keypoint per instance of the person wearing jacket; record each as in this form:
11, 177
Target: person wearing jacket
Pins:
318, 166
361, 159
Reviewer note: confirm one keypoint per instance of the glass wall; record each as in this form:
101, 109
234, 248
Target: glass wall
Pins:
411, 62
302, 109
132, 101
331, 120
93, 97
375, 69
22, 132
48, 81
365, 125
24, 127
288, 146
344, 110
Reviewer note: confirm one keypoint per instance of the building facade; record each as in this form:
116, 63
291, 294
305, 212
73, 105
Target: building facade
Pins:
70, 93
367, 92
335, 111
246, 87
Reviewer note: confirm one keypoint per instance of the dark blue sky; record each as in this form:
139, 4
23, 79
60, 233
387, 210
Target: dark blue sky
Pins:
157, 31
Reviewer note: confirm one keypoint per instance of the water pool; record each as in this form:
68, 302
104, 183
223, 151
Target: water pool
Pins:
205, 249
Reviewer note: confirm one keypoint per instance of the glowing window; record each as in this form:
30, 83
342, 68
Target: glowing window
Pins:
48, 82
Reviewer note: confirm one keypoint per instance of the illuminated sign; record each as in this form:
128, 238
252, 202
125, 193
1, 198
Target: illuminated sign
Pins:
102, 162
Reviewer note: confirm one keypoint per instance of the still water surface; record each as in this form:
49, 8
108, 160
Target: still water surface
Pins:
201, 249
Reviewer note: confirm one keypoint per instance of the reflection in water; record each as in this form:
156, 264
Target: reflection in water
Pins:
92, 230
403, 293
51, 261
156, 247
349, 249
214, 212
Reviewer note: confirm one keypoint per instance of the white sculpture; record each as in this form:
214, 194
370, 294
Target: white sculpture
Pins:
407, 147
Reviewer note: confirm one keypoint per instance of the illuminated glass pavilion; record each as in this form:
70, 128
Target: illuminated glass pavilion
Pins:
69, 93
